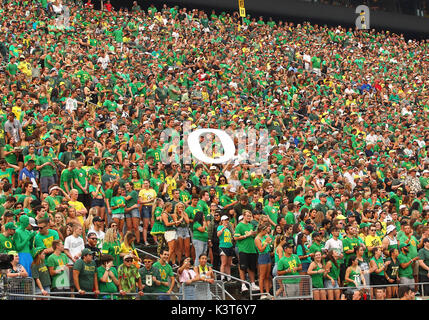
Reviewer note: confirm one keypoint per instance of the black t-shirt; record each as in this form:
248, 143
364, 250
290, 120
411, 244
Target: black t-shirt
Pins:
392, 269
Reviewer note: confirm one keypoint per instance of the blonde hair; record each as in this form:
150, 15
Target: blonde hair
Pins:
110, 236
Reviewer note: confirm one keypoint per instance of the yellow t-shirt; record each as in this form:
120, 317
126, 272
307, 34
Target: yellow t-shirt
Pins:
147, 194
372, 241
171, 185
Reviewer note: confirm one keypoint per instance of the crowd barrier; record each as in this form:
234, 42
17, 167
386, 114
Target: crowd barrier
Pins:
292, 287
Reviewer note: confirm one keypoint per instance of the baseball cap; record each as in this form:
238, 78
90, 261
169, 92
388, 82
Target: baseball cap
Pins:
233, 190
10, 225
390, 228
341, 217
32, 222
85, 252
224, 217
36, 251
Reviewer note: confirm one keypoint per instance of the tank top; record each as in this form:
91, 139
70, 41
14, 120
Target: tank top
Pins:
393, 243
334, 273
379, 263
267, 248
203, 271
354, 275
172, 227
317, 279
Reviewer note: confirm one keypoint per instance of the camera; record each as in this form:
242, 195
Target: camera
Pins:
5, 261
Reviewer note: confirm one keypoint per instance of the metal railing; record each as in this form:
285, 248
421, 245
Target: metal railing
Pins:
292, 287
217, 289
18, 288
395, 285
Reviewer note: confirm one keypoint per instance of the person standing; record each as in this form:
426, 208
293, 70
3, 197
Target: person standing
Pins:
263, 246
151, 278
424, 266
316, 270
85, 275
167, 279
245, 239
7, 242
74, 244
40, 273
147, 197
129, 278
23, 238
405, 264
57, 266
107, 276
224, 234
290, 265
391, 273
46, 167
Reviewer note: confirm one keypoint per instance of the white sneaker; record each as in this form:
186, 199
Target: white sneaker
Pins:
263, 297
244, 287
254, 287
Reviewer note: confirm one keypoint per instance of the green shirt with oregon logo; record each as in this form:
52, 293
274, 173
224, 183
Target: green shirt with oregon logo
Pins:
165, 273
6, 243
86, 274
246, 245
113, 249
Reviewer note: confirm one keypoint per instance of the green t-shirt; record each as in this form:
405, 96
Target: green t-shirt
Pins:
46, 171
424, 255
45, 241
108, 286
86, 274
165, 272
246, 245
6, 243
202, 236
80, 175
115, 201
41, 272
225, 239
408, 271
66, 179
113, 249
348, 244
8, 173
288, 263
53, 202
62, 279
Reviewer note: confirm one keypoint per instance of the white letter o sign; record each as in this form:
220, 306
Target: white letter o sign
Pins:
197, 152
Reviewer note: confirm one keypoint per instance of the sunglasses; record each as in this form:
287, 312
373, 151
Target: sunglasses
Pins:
92, 238
128, 260
147, 261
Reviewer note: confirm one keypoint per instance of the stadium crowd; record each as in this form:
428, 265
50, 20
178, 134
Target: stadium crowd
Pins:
86, 99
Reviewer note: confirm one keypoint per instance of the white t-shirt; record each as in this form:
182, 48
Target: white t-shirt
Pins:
75, 245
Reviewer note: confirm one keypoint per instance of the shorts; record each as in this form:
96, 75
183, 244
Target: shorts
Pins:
264, 258
146, 212
329, 285
415, 268
97, 203
170, 235
229, 252
248, 261
119, 216
38, 292
305, 266
132, 214
183, 232
377, 280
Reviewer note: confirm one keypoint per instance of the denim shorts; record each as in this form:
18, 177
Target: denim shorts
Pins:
97, 203
132, 214
119, 216
264, 258
183, 232
328, 284
146, 212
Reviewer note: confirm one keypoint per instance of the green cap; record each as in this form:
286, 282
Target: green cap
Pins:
403, 245
10, 225
36, 251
